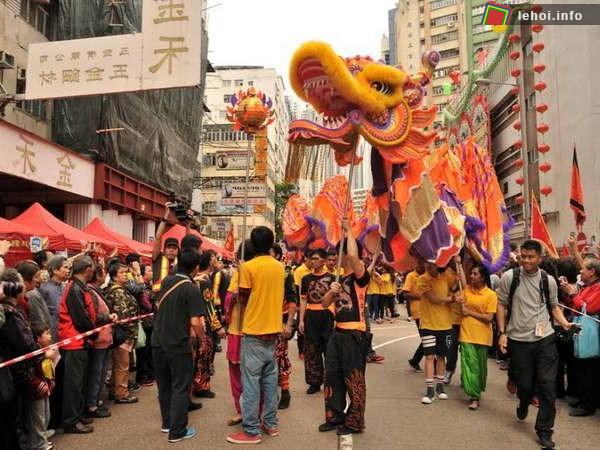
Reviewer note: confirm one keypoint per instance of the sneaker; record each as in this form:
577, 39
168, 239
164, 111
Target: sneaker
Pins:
204, 393
313, 389
409, 319
126, 400
439, 391
416, 367
49, 433
327, 426
134, 387
448, 376
522, 411
147, 383
429, 395
86, 420
194, 406
78, 428
511, 387
98, 413
165, 430
242, 437
190, 432
343, 430
273, 432
284, 401
218, 348
375, 358
503, 365
546, 441
50, 445
474, 405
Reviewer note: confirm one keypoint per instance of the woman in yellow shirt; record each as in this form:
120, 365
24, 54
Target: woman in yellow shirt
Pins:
478, 311
387, 294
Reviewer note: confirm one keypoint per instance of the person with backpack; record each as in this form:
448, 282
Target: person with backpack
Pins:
529, 296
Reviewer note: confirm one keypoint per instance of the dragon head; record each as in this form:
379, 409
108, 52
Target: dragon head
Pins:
360, 97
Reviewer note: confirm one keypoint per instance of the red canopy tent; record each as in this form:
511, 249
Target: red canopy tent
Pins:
19, 235
178, 232
100, 229
69, 238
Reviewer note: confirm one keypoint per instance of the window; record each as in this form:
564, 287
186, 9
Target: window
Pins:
437, 4
250, 83
441, 73
226, 83
478, 10
444, 37
445, 54
438, 22
36, 108
227, 98
238, 83
477, 29
38, 16
209, 207
438, 90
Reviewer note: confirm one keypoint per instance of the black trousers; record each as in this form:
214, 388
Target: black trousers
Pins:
345, 364
318, 326
452, 357
588, 373
56, 398
418, 356
74, 385
534, 366
145, 365
174, 373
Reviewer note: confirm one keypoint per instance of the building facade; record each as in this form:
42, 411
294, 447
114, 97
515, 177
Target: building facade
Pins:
219, 189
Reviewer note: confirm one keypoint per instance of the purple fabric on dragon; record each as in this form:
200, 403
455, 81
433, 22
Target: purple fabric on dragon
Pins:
434, 237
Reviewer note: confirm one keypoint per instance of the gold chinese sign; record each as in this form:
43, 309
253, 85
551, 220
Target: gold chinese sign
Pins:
165, 54
260, 154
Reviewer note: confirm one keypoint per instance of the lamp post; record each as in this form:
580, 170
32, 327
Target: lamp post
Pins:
524, 152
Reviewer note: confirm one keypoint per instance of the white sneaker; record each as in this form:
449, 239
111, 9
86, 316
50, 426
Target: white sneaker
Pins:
427, 400
443, 396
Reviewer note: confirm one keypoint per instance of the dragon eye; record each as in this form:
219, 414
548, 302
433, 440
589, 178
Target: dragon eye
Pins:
383, 88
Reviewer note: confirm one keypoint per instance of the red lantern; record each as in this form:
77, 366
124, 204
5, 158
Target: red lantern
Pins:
519, 200
517, 125
541, 108
539, 68
546, 190
519, 163
518, 144
520, 181
514, 55
514, 37
540, 86
516, 107
538, 47
543, 148
545, 167
543, 128
516, 73
536, 8
537, 28
514, 90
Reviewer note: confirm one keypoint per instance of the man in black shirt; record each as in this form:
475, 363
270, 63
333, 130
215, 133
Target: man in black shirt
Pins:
179, 305
316, 322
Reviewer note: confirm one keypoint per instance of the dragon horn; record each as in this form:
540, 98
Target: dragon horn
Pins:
429, 60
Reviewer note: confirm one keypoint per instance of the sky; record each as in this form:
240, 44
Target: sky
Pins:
266, 32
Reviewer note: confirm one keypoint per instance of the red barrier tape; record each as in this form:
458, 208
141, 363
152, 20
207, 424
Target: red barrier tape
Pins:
64, 342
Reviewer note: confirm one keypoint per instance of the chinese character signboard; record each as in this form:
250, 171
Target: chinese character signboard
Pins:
166, 54
237, 190
260, 164
233, 160
27, 156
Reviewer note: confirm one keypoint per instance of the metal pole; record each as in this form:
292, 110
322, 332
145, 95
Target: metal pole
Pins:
244, 221
347, 204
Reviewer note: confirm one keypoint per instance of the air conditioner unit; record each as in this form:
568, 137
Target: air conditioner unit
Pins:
451, 24
7, 61
21, 74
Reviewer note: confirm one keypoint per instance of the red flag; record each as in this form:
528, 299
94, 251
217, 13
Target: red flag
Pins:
576, 200
539, 230
229, 241
564, 251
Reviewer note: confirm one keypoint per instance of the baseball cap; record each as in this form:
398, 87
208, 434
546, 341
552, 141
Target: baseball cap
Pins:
171, 242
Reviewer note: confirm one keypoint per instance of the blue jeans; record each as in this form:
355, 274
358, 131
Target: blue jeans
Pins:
259, 379
97, 361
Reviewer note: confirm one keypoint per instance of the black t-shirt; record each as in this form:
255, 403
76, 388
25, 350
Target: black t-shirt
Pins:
314, 287
172, 320
350, 304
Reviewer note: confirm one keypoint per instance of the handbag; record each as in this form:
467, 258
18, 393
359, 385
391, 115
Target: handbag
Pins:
119, 336
141, 336
586, 343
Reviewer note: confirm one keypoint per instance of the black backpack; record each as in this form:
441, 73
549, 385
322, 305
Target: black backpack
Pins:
544, 290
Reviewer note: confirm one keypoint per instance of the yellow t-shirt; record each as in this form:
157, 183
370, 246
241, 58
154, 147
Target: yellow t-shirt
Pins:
436, 316
411, 285
335, 271
235, 323
299, 273
388, 285
265, 277
373, 286
472, 330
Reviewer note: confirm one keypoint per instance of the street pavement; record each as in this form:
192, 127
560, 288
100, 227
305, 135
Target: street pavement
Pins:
395, 418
